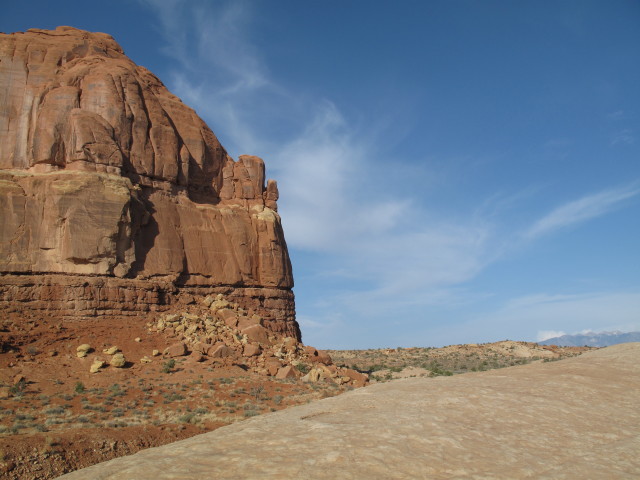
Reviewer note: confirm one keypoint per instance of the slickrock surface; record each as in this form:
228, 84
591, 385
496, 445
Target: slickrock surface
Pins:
577, 418
115, 197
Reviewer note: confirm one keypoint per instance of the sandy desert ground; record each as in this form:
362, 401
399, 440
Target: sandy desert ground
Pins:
577, 418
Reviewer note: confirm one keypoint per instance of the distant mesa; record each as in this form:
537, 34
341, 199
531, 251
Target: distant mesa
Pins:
116, 198
602, 339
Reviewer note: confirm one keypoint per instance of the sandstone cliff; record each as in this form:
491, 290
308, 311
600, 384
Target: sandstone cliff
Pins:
115, 197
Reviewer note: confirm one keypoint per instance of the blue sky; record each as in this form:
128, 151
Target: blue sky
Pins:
450, 171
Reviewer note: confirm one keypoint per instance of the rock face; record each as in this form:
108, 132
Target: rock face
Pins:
115, 197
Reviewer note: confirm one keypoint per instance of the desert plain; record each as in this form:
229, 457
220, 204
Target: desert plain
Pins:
577, 418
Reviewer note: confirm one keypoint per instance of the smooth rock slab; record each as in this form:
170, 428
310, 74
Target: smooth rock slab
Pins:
578, 418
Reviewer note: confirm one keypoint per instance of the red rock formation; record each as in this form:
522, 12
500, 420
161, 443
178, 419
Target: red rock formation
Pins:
115, 197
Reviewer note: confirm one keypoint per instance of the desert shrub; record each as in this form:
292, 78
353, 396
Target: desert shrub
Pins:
79, 388
53, 421
55, 411
171, 397
18, 389
303, 368
278, 399
116, 391
168, 366
24, 416
95, 408
18, 426
188, 418
437, 371
256, 392
549, 359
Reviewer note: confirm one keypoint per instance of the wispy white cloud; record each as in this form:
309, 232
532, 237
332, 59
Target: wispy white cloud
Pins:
581, 210
335, 198
547, 334
323, 173
221, 75
329, 175
624, 136
214, 35
336, 201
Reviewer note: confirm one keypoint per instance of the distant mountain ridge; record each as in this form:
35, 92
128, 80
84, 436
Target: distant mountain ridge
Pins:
592, 339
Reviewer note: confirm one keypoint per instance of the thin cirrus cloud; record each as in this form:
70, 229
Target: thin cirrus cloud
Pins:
386, 250
221, 74
324, 168
212, 36
581, 210
328, 174
623, 137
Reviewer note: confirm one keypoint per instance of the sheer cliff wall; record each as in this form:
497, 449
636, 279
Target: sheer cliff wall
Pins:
116, 198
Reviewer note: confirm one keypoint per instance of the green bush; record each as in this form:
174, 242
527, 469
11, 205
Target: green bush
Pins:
167, 366
188, 418
304, 369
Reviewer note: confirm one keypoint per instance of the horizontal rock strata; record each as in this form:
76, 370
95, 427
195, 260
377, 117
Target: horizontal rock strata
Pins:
113, 184
76, 296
